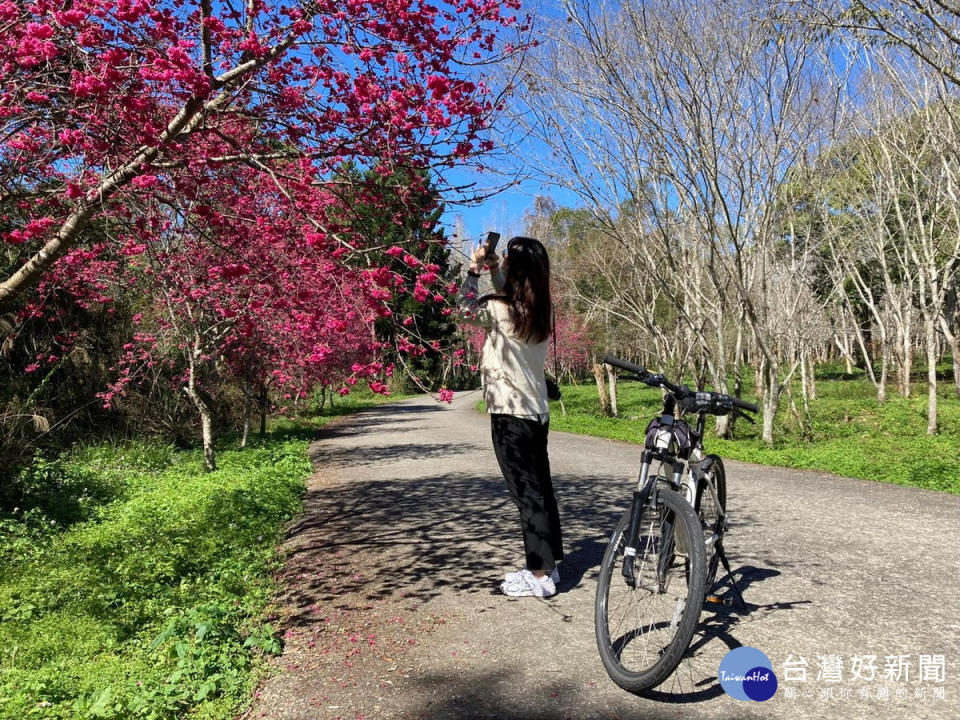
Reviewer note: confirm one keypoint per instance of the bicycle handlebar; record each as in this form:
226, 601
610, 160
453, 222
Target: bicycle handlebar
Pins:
624, 365
743, 404
682, 392
645, 376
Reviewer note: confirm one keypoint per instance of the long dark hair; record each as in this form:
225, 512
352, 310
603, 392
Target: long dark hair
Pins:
527, 288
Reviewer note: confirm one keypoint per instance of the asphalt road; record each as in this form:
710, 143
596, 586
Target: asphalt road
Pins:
851, 587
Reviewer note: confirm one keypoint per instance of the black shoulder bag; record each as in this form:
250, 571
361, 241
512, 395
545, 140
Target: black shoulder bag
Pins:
553, 390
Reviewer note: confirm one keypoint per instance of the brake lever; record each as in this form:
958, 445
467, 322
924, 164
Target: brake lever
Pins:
741, 413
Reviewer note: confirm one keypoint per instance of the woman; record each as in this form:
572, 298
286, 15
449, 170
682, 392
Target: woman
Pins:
517, 318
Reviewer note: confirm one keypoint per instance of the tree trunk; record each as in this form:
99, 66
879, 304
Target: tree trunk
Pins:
725, 423
930, 332
601, 389
206, 416
804, 384
867, 357
723, 426
955, 352
771, 401
247, 411
612, 381
844, 346
206, 431
811, 366
884, 373
729, 423
906, 359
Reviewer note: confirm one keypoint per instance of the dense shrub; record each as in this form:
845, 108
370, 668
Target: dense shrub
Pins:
134, 584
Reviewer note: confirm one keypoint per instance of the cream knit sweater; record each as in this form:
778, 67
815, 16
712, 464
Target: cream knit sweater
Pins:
511, 369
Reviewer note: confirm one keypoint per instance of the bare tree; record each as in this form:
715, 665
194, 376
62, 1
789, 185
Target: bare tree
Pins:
886, 200
928, 29
864, 263
693, 114
925, 180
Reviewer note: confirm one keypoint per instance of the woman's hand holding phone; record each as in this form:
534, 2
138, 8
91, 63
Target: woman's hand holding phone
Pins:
485, 253
491, 248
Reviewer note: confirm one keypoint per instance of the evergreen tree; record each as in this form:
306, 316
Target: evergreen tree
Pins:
401, 217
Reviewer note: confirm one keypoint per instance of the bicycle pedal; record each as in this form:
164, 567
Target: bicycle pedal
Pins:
717, 600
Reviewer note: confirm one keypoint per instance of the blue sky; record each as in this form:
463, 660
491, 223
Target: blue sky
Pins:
502, 212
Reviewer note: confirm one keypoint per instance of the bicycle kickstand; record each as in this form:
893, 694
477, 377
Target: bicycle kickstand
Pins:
733, 580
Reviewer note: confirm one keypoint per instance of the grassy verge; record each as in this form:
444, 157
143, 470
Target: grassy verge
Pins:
849, 433
133, 584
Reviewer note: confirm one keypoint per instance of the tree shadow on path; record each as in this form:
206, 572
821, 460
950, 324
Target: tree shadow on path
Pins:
391, 522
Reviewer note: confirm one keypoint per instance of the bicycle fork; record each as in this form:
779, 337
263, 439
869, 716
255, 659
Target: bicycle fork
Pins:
642, 499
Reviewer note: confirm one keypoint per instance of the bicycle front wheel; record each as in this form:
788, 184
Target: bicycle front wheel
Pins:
643, 628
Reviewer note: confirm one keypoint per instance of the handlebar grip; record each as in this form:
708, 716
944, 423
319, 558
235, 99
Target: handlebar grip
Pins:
742, 404
624, 365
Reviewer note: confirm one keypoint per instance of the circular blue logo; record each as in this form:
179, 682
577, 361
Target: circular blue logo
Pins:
745, 673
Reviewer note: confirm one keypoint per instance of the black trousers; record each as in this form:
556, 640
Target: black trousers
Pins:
521, 448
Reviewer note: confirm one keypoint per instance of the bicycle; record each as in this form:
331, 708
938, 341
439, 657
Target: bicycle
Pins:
668, 544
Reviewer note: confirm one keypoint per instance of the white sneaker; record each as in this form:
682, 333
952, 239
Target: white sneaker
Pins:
527, 584
513, 577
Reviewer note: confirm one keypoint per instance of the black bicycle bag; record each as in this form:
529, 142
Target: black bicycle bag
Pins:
666, 433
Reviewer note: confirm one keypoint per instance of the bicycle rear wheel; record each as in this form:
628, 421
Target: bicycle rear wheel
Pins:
643, 631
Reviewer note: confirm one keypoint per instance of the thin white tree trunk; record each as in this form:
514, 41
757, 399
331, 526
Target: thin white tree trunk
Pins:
203, 409
931, 342
771, 402
601, 389
906, 356
612, 382
264, 406
804, 385
884, 374
811, 367
247, 410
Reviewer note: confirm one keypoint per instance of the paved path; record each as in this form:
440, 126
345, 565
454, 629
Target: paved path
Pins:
393, 609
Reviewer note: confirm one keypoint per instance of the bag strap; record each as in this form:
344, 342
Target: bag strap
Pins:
553, 331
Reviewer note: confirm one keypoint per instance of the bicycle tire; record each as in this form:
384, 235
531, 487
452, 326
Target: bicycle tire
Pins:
710, 519
645, 642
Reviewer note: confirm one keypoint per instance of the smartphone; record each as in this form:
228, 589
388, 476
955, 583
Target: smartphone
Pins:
491, 245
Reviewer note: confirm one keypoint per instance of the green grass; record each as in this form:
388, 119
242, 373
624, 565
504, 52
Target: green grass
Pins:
850, 433
135, 585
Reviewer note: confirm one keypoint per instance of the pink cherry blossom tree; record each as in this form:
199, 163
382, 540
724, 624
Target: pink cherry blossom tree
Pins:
189, 150
108, 99
239, 287
574, 347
